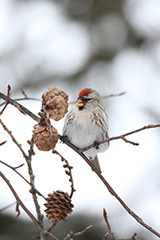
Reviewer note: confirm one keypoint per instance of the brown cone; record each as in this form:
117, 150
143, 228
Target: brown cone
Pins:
45, 137
58, 206
55, 103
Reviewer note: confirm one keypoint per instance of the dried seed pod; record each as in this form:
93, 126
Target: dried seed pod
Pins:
55, 103
45, 137
58, 206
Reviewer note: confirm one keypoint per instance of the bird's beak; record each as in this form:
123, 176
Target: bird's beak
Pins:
80, 102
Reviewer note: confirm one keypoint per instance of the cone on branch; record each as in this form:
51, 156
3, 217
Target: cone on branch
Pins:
45, 137
58, 206
54, 103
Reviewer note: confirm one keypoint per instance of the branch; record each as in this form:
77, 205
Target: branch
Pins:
122, 136
110, 189
71, 234
2, 143
69, 172
13, 138
110, 231
33, 189
14, 169
80, 152
7, 99
20, 202
20, 107
108, 224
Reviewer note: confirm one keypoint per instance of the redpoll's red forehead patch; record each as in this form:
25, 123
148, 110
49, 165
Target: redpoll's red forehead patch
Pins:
84, 92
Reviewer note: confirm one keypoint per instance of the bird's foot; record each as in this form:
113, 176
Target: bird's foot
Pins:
96, 145
64, 138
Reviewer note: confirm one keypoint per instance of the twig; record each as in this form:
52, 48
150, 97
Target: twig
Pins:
2, 143
33, 190
132, 238
20, 107
108, 224
71, 234
13, 138
123, 136
20, 202
114, 95
22, 99
7, 99
14, 169
46, 233
69, 172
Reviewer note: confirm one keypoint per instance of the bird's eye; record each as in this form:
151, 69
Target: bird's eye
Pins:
88, 99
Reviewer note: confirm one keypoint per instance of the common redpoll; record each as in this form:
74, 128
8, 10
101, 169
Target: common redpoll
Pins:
87, 123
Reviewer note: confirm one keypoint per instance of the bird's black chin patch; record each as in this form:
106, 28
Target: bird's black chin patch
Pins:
81, 108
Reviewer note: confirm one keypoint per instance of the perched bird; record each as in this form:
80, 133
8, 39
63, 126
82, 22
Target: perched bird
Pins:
87, 123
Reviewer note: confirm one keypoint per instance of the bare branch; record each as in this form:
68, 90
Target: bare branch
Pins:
123, 136
7, 99
69, 172
111, 190
20, 107
14, 169
32, 183
132, 238
71, 234
2, 143
114, 95
20, 202
106, 236
13, 138
108, 224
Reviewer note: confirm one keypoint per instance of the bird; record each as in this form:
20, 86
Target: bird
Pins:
87, 123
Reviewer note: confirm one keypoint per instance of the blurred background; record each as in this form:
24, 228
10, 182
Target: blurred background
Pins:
111, 46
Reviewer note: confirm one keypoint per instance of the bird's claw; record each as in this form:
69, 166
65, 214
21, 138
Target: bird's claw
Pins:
96, 145
64, 138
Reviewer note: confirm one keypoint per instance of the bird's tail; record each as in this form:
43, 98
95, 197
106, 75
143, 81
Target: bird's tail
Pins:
96, 164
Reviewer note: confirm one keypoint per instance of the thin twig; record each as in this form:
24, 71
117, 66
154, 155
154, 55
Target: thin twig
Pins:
2, 143
14, 169
7, 99
132, 238
106, 236
69, 172
123, 136
32, 183
20, 107
108, 224
13, 138
20, 202
71, 234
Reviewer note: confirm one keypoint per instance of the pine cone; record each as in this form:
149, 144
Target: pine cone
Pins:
58, 206
54, 103
45, 137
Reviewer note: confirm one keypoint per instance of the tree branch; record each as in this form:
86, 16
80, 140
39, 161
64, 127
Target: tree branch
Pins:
111, 190
108, 224
20, 202
14, 169
80, 152
123, 136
